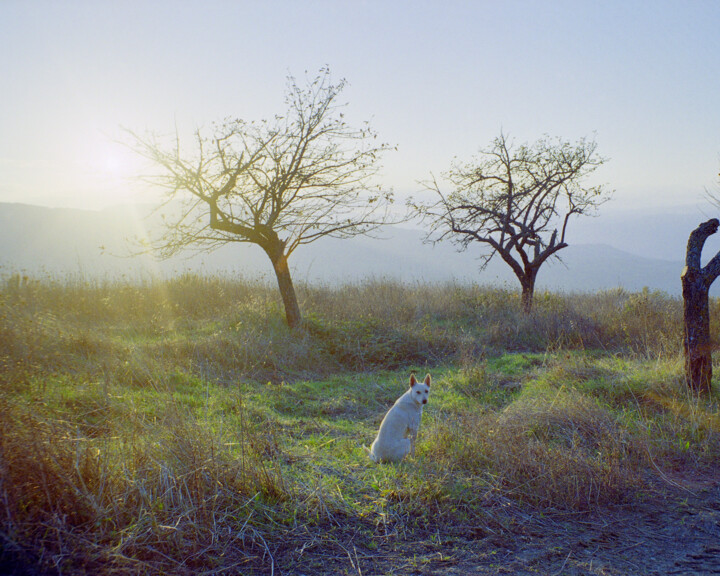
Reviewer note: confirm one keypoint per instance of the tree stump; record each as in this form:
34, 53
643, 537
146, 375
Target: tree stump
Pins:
696, 282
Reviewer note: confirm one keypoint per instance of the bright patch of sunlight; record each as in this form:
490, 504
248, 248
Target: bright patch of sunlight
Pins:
114, 172
106, 174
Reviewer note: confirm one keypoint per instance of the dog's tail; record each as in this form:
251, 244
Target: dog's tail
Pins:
369, 453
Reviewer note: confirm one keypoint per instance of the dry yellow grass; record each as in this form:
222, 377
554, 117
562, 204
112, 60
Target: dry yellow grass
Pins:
171, 428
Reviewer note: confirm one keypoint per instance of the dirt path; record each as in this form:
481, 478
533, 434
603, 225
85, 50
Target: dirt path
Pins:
678, 533
674, 531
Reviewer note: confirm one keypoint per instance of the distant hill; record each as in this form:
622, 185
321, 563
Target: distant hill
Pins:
93, 245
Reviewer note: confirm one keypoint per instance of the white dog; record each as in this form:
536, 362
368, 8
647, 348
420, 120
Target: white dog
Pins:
398, 431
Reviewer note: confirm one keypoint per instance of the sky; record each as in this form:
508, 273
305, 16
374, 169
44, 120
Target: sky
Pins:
438, 79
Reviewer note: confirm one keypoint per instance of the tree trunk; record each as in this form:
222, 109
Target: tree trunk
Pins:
696, 283
696, 342
287, 291
528, 290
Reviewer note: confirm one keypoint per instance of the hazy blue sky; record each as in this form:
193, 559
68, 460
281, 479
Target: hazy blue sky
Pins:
438, 78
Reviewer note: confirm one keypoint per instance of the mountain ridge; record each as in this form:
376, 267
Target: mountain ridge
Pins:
37, 240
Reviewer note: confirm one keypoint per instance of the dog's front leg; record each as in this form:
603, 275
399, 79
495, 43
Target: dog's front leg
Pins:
413, 438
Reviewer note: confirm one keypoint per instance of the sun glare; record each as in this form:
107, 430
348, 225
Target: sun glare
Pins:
110, 175
115, 161
115, 165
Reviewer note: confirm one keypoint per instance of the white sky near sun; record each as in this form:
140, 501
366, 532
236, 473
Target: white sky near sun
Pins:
439, 79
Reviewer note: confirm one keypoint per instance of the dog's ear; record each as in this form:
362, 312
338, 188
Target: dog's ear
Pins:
413, 380
427, 380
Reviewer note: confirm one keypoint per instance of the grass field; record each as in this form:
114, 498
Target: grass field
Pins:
180, 428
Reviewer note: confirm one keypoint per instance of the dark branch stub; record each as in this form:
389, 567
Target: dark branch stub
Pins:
696, 282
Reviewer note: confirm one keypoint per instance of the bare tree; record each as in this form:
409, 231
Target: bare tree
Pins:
276, 183
517, 202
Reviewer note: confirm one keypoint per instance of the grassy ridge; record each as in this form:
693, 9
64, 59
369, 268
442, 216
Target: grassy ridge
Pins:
181, 428
235, 330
